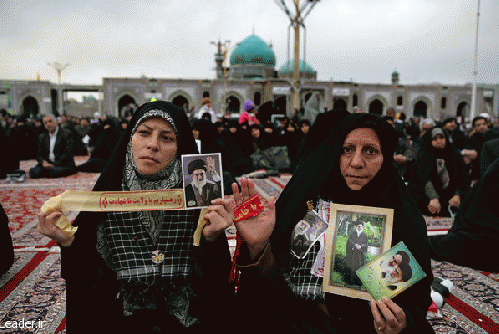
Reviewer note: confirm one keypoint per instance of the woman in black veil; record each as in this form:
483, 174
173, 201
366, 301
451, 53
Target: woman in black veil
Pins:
278, 289
439, 176
138, 272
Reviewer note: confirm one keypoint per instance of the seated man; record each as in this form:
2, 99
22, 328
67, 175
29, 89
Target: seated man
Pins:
55, 154
201, 191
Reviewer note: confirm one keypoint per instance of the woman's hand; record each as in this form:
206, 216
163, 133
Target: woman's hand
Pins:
389, 318
46, 226
47, 165
455, 201
255, 231
434, 206
219, 217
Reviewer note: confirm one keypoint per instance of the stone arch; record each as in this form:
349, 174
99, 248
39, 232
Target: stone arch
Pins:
340, 104
29, 106
305, 96
234, 102
355, 100
180, 100
180, 96
126, 101
463, 109
378, 108
280, 104
422, 107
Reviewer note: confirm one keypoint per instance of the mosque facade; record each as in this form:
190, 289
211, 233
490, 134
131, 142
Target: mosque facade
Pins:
252, 74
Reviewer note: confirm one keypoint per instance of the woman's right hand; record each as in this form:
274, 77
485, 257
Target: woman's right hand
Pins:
47, 227
434, 206
255, 231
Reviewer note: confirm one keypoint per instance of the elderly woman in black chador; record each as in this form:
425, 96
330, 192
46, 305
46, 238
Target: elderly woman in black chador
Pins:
439, 177
138, 272
353, 165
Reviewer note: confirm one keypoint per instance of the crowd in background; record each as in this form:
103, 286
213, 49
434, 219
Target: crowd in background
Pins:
260, 140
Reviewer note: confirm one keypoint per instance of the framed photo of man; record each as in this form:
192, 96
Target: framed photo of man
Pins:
356, 235
203, 179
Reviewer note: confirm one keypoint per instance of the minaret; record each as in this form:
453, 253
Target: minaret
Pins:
219, 60
395, 78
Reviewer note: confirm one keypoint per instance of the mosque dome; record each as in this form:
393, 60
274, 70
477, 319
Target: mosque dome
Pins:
289, 68
253, 51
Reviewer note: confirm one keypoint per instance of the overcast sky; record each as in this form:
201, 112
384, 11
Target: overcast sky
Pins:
361, 40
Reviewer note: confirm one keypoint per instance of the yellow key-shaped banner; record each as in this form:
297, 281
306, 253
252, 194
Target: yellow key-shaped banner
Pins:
76, 200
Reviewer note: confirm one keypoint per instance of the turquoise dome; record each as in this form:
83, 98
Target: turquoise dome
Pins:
289, 68
252, 51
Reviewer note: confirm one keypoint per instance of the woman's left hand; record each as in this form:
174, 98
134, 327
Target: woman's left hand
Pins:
219, 217
455, 201
389, 318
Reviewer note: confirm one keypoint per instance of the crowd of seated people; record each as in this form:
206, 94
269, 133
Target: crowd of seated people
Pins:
55, 141
241, 139
441, 161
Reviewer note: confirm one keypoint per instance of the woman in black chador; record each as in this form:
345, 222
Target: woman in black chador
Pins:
138, 272
353, 165
439, 179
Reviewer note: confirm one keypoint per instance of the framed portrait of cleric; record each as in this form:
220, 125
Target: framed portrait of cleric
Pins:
203, 179
356, 235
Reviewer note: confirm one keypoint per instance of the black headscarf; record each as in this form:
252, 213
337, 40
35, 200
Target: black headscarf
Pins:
318, 176
110, 179
318, 173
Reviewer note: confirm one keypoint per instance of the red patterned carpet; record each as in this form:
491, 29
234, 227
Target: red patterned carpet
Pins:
32, 289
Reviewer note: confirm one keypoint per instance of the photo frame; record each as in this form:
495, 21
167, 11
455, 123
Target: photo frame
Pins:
203, 179
356, 235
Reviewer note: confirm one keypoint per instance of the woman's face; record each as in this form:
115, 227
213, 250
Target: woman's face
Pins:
361, 158
304, 128
438, 142
154, 145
